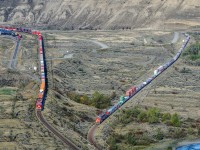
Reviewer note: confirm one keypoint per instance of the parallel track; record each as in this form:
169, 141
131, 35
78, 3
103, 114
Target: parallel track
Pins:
91, 136
13, 60
38, 112
92, 130
54, 131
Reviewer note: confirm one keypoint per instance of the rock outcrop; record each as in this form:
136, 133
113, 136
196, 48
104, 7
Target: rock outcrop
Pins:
101, 14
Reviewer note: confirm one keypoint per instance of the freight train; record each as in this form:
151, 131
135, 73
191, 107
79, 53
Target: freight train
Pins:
123, 99
134, 90
42, 91
10, 32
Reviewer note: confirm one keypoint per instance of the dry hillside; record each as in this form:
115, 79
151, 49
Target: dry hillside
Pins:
101, 14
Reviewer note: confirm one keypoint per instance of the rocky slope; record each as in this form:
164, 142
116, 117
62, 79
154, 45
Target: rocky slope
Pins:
101, 14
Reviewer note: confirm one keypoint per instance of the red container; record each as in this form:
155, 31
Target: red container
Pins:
40, 95
107, 113
133, 89
128, 93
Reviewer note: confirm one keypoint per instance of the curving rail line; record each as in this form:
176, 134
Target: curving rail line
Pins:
42, 66
13, 60
93, 128
16, 37
54, 131
90, 137
38, 111
40, 101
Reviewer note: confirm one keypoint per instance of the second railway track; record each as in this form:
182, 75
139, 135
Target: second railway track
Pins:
54, 131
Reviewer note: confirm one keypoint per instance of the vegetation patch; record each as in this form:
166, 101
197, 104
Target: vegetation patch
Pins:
154, 126
193, 51
152, 115
97, 99
7, 91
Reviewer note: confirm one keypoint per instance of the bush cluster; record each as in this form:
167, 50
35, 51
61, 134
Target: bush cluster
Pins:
193, 51
97, 99
131, 138
152, 115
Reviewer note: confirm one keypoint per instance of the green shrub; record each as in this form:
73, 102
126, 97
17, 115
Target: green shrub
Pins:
114, 147
98, 100
135, 112
142, 116
175, 121
131, 138
125, 120
153, 115
166, 117
4, 91
194, 57
112, 141
128, 115
193, 51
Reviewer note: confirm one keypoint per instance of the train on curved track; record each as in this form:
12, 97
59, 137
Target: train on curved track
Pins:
135, 89
43, 86
10, 32
122, 100
15, 33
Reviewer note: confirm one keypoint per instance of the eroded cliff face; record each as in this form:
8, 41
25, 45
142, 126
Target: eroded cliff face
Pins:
101, 14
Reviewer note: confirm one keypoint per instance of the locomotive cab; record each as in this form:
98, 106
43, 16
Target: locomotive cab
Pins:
39, 104
98, 120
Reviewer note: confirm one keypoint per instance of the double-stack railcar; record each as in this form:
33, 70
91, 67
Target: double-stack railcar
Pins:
8, 31
132, 91
40, 100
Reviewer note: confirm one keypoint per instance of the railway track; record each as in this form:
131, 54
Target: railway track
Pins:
38, 113
92, 130
90, 136
57, 133
13, 60
54, 131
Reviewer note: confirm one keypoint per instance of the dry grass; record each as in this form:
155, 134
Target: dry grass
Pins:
104, 71
172, 92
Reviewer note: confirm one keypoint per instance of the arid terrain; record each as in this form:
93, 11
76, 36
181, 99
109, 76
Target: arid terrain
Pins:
82, 62
175, 91
100, 47
101, 14
78, 63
